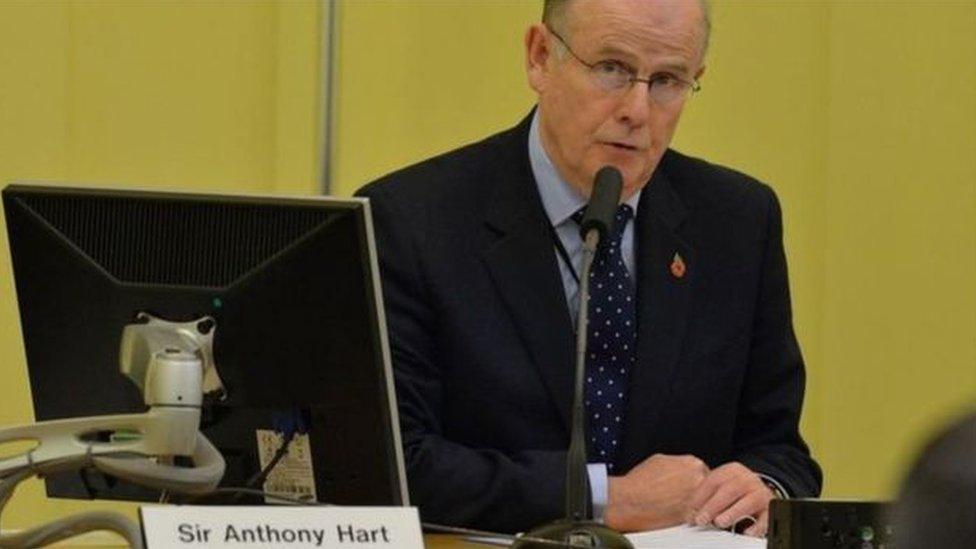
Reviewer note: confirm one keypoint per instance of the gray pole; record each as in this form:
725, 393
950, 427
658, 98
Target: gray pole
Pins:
328, 63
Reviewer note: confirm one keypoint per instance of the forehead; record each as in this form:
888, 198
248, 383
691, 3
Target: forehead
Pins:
644, 29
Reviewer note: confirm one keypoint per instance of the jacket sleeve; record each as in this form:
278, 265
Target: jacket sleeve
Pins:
767, 437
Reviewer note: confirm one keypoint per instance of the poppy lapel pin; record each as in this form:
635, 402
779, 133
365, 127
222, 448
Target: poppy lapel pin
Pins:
678, 267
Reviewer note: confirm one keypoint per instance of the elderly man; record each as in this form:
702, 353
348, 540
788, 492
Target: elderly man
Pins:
694, 377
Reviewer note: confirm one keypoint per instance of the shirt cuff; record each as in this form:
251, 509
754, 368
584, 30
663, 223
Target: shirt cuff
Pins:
599, 488
775, 485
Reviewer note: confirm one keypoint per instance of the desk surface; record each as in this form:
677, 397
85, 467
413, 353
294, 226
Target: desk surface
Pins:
450, 541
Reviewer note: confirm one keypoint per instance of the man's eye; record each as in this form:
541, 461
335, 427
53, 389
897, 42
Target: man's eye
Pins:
665, 80
611, 67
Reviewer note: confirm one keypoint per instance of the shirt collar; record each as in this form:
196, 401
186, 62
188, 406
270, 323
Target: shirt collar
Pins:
560, 199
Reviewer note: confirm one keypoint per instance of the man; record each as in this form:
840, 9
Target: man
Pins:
693, 402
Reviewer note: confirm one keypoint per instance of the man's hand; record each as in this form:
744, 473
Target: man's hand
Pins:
729, 494
655, 494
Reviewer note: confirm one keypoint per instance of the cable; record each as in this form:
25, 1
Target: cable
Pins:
75, 525
258, 479
203, 477
8, 485
67, 527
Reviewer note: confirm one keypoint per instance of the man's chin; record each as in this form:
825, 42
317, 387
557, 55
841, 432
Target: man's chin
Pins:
632, 166
634, 180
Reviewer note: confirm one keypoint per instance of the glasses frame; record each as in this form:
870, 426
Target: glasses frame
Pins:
691, 86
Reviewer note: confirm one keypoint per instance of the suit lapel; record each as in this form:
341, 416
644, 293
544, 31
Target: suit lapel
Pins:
522, 263
662, 316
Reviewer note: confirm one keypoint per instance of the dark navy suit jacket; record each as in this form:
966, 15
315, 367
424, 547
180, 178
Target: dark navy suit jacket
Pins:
483, 342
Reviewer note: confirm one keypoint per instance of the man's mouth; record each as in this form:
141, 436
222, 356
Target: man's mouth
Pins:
621, 146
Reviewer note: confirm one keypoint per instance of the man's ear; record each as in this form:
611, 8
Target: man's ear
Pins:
537, 56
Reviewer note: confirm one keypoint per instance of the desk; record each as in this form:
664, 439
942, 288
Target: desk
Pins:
450, 541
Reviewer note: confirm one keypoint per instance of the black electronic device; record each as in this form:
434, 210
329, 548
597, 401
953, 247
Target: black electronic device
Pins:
828, 524
288, 286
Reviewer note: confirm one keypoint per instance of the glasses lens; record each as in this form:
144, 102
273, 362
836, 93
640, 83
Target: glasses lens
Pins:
611, 76
664, 94
666, 91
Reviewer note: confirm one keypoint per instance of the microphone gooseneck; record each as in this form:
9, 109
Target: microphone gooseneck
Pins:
577, 529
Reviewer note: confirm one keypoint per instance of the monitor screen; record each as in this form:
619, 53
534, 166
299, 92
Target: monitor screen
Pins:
291, 284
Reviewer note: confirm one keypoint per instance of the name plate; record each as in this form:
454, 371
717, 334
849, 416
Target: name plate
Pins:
186, 526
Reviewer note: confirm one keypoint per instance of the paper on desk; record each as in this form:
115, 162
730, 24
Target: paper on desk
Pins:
694, 537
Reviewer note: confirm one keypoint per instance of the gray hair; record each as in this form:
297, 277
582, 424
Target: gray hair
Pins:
554, 12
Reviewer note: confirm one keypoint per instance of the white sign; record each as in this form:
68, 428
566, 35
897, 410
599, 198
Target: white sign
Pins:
189, 526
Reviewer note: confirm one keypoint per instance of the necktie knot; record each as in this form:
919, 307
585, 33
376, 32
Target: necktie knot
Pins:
620, 219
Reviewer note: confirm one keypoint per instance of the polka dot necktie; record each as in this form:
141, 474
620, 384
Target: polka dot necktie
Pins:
610, 348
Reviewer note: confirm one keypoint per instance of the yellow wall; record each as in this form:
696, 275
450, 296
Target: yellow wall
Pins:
860, 115
182, 94
420, 77
899, 300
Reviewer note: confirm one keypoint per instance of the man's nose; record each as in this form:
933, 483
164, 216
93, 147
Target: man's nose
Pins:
635, 104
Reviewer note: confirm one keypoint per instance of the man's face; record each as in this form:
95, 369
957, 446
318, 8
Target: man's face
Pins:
585, 127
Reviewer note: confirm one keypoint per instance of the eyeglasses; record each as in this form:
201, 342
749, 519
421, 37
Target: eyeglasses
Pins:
614, 76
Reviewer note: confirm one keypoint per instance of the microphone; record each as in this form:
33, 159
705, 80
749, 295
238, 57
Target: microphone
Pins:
578, 529
602, 208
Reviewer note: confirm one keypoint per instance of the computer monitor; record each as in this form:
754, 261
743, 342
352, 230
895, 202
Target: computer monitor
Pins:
291, 283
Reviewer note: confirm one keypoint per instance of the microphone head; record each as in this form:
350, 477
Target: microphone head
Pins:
599, 214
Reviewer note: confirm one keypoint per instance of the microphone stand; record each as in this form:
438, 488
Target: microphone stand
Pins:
577, 529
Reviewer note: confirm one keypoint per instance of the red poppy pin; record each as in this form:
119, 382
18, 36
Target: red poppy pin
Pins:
678, 267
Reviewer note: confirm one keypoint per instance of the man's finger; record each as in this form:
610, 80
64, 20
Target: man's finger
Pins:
726, 495
713, 481
761, 526
702, 494
750, 504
